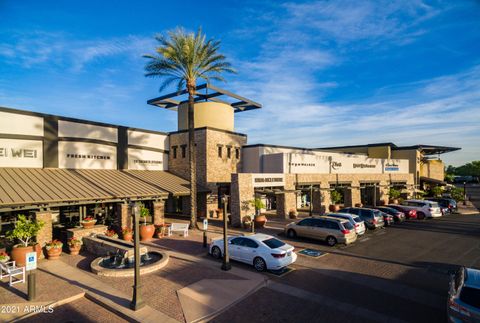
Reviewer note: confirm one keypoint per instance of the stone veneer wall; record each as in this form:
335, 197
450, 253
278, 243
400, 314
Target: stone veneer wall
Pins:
211, 169
46, 233
80, 233
124, 214
242, 193
158, 212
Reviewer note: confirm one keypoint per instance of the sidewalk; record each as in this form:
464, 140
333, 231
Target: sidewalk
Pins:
468, 209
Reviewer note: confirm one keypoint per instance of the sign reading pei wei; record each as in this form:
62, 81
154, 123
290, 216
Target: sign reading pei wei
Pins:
21, 153
268, 180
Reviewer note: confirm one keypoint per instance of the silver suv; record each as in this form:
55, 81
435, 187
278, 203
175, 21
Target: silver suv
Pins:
464, 296
424, 208
332, 230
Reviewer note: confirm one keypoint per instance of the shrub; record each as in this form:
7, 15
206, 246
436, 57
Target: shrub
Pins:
394, 193
335, 196
25, 230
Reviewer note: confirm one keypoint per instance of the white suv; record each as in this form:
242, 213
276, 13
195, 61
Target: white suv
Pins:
355, 220
424, 208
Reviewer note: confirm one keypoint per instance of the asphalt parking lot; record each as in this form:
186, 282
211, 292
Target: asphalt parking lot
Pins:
397, 274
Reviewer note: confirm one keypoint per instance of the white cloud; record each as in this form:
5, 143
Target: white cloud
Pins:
56, 49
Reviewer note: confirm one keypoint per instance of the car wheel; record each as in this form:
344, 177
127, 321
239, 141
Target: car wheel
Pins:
331, 241
421, 215
291, 233
216, 252
259, 264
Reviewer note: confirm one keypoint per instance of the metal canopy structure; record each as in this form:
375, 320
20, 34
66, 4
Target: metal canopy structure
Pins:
204, 93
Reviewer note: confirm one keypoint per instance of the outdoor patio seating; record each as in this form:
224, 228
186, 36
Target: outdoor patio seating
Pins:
178, 227
9, 269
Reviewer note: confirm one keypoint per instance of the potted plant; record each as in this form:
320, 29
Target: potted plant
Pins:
260, 219
111, 234
74, 246
24, 231
4, 257
336, 197
247, 222
54, 249
127, 234
161, 230
88, 222
292, 214
394, 194
147, 230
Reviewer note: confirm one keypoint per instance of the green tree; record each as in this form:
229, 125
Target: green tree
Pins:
183, 58
25, 230
469, 169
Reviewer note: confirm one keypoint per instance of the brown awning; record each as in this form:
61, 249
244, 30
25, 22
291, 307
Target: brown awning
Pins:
432, 180
27, 186
169, 182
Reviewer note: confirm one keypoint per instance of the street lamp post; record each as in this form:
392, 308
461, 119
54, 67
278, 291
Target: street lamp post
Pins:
252, 226
226, 260
137, 301
311, 201
464, 193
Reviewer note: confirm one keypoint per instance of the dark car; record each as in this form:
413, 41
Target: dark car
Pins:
409, 214
464, 296
387, 218
447, 205
397, 215
373, 218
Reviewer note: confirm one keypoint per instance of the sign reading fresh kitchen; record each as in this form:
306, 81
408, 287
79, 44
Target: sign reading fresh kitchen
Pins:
21, 153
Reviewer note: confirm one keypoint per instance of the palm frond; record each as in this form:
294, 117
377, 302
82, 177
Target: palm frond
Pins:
185, 57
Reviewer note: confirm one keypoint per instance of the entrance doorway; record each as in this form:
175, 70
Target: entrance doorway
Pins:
369, 193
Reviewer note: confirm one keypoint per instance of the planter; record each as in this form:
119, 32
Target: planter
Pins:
146, 232
74, 250
161, 230
54, 253
334, 207
19, 254
89, 224
358, 205
260, 221
394, 201
128, 237
292, 215
38, 248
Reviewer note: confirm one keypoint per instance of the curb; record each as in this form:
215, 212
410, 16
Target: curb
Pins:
53, 304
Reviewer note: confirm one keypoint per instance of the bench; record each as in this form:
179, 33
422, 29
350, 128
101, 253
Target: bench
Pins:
178, 227
9, 269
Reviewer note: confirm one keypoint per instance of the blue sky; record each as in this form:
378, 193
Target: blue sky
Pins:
327, 72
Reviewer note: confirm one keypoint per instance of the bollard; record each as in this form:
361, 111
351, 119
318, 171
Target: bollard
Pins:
32, 288
204, 238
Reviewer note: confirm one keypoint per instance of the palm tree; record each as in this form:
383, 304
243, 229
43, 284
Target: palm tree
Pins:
183, 58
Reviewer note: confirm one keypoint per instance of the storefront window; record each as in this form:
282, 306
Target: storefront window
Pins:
220, 151
174, 151
184, 151
237, 153
229, 152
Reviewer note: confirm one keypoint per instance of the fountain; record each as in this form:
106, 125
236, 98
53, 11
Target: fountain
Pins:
117, 257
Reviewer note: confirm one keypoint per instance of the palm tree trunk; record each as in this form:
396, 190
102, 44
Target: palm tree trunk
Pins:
191, 156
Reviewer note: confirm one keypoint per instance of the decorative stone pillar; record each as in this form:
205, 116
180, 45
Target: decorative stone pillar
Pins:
326, 198
288, 200
124, 215
384, 190
46, 233
352, 195
242, 193
317, 201
159, 212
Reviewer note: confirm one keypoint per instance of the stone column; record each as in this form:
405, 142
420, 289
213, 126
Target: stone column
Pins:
124, 215
159, 212
384, 189
317, 201
288, 200
326, 199
46, 233
352, 195
242, 193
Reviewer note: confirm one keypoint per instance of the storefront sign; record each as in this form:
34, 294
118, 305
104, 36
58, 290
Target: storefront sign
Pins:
83, 155
21, 153
268, 180
391, 167
142, 159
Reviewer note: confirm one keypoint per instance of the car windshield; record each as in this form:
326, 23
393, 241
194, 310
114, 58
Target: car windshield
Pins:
434, 204
273, 243
357, 219
470, 296
348, 225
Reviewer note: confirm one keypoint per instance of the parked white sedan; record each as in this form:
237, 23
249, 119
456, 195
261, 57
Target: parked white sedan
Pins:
260, 250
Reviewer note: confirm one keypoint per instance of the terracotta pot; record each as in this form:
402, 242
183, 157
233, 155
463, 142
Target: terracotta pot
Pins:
88, 225
260, 221
334, 207
292, 215
74, 250
38, 248
146, 232
358, 205
128, 237
19, 254
54, 253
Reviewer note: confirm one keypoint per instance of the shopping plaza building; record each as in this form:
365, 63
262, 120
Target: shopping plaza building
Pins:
61, 170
